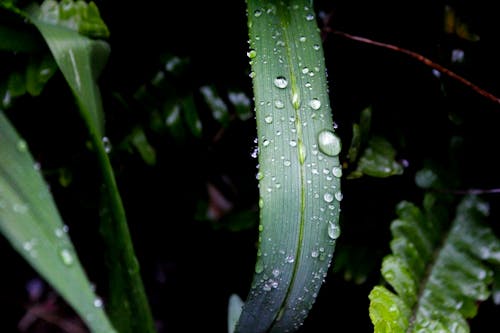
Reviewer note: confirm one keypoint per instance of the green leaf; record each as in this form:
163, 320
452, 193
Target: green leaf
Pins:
216, 104
78, 16
31, 222
80, 60
437, 271
378, 160
299, 175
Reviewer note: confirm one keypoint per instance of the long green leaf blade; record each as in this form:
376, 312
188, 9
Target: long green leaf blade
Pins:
438, 272
30, 220
299, 175
81, 60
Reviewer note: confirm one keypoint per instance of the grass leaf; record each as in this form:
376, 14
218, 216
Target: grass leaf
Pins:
31, 222
299, 175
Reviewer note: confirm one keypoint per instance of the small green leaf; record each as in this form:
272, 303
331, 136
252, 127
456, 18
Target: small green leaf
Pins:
216, 104
379, 159
233, 312
141, 144
78, 16
30, 220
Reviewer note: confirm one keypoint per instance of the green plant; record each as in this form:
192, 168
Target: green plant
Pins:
442, 262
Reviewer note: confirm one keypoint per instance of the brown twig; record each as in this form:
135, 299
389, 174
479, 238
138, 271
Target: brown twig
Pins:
420, 58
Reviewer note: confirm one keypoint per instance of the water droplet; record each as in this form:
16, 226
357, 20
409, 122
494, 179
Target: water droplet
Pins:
308, 85
251, 54
266, 287
265, 143
302, 39
293, 143
310, 17
280, 82
329, 143
276, 272
337, 171
106, 144
37, 166
316, 47
268, 119
259, 175
305, 70
333, 230
20, 208
261, 203
66, 257
261, 227
289, 259
257, 13
252, 74
339, 196
287, 163
22, 146
98, 302
279, 104
315, 104
328, 197
314, 254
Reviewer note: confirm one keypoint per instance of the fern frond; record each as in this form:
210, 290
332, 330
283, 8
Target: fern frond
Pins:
438, 271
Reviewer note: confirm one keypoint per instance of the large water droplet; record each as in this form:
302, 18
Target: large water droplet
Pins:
315, 104
257, 13
268, 119
339, 196
333, 230
329, 143
280, 82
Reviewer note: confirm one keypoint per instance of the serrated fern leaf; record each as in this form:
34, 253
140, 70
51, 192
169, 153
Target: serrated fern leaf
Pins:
438, 272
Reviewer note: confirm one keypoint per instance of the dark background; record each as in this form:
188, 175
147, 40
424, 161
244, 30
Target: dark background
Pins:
189, 267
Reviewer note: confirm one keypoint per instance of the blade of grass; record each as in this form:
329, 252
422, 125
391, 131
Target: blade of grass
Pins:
31, 222
299, 176
81, 59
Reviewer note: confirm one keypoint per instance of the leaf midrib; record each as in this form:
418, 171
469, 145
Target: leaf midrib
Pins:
293, 81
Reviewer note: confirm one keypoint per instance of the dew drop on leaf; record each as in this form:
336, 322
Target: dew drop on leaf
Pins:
315, 104
333, 230
279, 104
66, 256
106, 144
281, 82
328, 197
337, 171
22, 146
329, 143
